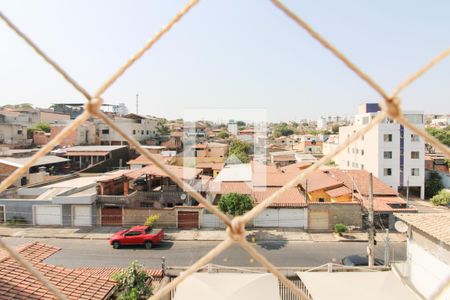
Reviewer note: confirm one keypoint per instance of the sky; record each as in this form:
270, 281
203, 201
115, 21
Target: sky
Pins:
227, 55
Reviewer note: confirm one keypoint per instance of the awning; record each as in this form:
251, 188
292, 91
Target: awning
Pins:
373, 285
221, 286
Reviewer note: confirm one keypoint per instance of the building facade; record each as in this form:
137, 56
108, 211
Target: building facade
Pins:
390, 151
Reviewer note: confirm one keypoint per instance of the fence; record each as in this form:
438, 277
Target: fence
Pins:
235, 227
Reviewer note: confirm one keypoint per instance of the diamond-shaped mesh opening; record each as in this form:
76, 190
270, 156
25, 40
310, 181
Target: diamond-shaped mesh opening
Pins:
391, 107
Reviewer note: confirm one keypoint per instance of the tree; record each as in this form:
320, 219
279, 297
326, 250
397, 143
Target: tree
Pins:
239, 146
441, 198
151, 220
433, 184
240, 150
335, 129
223, 135
132, 282
162, 128
43, 127
282, 129
235, 204
443, 135
240, 123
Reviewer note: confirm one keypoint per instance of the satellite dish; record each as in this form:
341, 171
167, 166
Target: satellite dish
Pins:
400, 226
183, 196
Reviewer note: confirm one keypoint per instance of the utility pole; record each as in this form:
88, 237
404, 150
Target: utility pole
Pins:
137, 104
371, 246
386, 248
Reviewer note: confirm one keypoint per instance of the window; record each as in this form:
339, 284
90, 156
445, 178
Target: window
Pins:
365, 120
321, 200
147, 132
362, 152
348, 164
415, 154
142, 131
388, 137
362, 138
105, 131
387, 172
133, 233
134, 131
415, 172
387, 154
414, 137
362, 167
19, 131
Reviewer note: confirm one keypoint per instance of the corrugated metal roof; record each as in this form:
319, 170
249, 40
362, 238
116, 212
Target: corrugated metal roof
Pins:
20, 161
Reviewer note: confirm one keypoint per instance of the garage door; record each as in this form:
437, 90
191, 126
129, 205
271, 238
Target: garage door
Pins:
318, 220
187, 219
292, 217
82, 215
112, 216
267, 218
210, 220
48, 214
286, 217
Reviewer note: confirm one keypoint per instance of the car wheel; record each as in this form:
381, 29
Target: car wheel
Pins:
148, 245
116, 245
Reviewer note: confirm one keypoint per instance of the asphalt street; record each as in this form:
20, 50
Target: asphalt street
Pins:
85, 253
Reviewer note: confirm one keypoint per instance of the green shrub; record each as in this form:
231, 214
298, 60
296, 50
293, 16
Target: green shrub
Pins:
442, 198
340, 228
132, 282
151, 220
235, 204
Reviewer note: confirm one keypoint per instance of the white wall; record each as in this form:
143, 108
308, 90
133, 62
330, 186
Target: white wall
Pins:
427, 272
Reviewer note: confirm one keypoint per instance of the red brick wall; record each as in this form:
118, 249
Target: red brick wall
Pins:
39, 138
5, 171
69, 140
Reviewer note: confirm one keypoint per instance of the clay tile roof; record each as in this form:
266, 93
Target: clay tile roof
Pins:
361, 181
283, 158
17, 283
319, 180
290, 198
382, 204
108, 272
142, 160
226, 187
340, 191
434, 224
297, 167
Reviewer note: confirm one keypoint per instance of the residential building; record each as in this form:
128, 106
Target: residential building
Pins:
427, 267
142, 128
39, 171
390, 151
210, 150
330, 145
232, 127
68, 201
13, 134
31, 116
99, 158
312, 147
322, 123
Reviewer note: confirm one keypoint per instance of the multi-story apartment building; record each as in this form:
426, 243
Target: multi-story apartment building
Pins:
390, 151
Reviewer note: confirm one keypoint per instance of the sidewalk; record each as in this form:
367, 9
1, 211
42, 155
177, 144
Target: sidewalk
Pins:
103, 233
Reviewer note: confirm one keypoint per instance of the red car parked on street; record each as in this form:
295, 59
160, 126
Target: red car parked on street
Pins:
137, 235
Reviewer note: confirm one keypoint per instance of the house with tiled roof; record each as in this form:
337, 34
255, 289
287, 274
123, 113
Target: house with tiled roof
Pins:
427, 266
324, 198
18, 283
